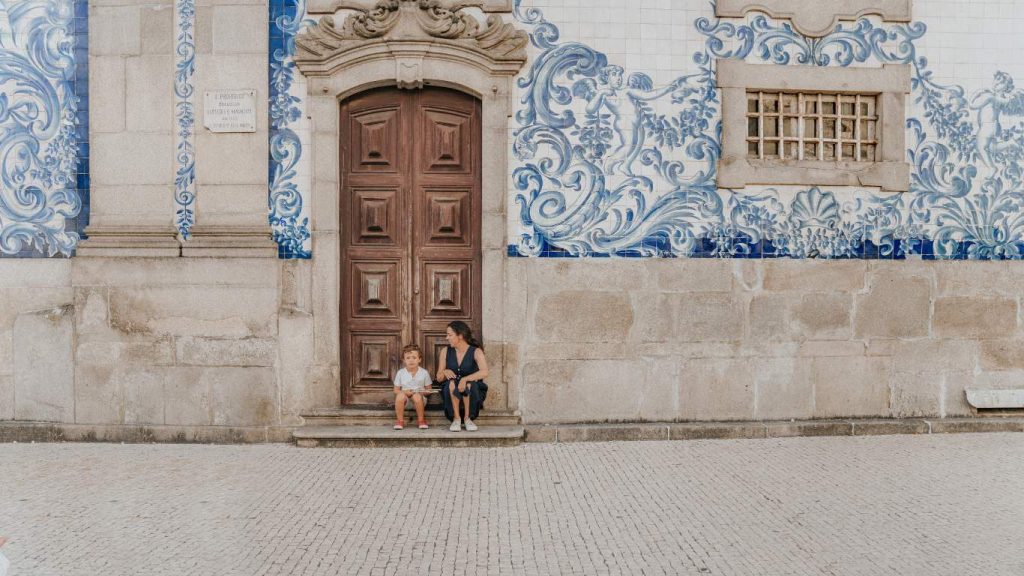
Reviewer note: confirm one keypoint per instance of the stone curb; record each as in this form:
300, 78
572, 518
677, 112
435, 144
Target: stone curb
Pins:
766, 429
24, 431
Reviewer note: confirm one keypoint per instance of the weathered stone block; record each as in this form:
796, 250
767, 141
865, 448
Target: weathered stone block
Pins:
301, 388
851, 386
748, 274
220, 352
975, 277
708, 316
769, 317
824, 316
133, 205
231, 158
653, 319
157, 23
129, 158
973, 317
915, 394
244, 205
832, 348
99, 396
717, 389
691, 274
143, 395
211, 311
929, 356
552, 275
1002, 354
6, 354
814, 275
114, 30
583, 316
240, 29
34, 273
242, 396
896, 306
107, 86
6, 397
586, 391
44, 365
17, 301
149, 103
783, 389
187, 397
162, 272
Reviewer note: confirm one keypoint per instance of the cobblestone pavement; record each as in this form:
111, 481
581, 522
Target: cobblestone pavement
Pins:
902, 505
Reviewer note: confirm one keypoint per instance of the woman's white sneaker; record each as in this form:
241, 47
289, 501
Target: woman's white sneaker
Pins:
470, 426
456, 425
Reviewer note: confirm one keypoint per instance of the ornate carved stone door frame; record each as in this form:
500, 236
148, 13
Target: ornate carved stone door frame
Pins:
409, 44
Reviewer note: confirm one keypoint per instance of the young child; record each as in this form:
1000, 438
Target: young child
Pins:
411, 382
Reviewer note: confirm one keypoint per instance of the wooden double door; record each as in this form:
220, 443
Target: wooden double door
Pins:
410, 230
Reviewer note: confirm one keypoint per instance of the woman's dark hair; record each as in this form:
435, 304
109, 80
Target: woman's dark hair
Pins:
463, 329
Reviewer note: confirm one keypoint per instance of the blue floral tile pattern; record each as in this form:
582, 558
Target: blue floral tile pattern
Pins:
184, 114
44, 127
601, 170
288, 220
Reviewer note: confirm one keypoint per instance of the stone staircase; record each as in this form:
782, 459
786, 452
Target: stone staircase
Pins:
371, 426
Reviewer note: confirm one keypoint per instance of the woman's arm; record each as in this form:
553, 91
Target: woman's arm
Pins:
481, 362
441, 361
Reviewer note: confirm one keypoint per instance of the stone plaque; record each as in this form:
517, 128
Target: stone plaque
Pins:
230, 110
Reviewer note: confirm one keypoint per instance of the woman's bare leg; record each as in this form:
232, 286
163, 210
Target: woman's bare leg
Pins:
455, 400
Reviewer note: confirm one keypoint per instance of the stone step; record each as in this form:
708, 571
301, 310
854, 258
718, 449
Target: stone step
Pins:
384, 436
384, 416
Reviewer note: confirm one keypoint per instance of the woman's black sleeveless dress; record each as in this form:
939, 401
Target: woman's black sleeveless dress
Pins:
477, 390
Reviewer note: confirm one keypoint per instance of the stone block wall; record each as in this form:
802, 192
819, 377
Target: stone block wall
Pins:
685, 339
180, 344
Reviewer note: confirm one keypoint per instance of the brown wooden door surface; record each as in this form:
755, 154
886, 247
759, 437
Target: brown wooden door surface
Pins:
410, 230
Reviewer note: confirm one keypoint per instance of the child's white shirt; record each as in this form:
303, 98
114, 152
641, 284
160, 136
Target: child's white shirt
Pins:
407, 381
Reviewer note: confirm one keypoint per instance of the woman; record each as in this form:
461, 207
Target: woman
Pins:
463, 367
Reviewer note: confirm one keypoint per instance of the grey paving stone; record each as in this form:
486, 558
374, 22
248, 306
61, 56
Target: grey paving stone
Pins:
907, 505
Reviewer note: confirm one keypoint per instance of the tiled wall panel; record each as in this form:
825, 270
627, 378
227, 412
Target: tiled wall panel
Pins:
44, 127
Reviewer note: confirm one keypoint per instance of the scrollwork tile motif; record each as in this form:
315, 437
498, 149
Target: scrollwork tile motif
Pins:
602, 169
184, 113
43, 127
289, 221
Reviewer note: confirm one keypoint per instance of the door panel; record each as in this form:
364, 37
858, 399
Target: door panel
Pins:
447, 142
376, 211
409, 230
448, 218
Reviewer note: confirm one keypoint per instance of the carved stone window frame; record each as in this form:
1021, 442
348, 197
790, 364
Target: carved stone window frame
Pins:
889, 84
410, 44
816, 18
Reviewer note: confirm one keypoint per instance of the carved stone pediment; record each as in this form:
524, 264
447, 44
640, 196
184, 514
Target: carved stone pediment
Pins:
445, 23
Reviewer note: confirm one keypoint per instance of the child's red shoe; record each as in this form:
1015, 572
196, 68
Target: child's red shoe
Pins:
423, 425
399, 425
